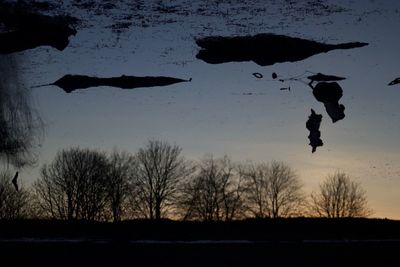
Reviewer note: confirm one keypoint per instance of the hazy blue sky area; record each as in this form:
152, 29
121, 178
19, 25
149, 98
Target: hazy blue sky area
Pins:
225, 109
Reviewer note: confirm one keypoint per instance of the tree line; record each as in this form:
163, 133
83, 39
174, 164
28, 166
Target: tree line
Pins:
159, 182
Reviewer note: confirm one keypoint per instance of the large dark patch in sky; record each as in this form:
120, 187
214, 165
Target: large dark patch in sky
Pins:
25, 29
329, 93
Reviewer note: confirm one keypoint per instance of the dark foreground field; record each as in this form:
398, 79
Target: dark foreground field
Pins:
291, 242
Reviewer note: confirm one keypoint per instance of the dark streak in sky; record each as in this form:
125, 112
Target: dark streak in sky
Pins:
264, 49
395, 81
71, 83
319, 77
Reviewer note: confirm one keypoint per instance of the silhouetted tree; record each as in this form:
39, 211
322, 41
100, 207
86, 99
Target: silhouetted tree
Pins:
214, 192
339, 197
120, 172
256, 188
13, 204
272, 190
74, 185
21, 127
159, 170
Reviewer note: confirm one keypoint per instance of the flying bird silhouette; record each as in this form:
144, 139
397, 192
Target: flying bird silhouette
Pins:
14, 181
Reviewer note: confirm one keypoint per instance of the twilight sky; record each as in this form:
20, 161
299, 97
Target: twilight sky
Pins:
225, 109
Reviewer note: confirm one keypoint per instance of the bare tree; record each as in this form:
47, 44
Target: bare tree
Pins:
13, 204
159, 170
120, 173
21, 127
257, 188
213, 193
273, 190
233, 192
339, 197
73, 186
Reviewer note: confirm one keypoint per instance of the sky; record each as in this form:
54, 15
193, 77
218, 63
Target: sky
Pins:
225, 109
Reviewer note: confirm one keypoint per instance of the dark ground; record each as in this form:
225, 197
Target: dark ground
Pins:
290, 242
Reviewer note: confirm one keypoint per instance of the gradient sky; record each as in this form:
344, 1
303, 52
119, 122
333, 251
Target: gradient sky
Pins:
214, 113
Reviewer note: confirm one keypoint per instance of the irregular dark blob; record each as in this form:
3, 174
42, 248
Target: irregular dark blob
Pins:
27, 30
264, 49
70, 83
257, 75
274, 75
313, 123
329, 93
319, 77
395, 81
